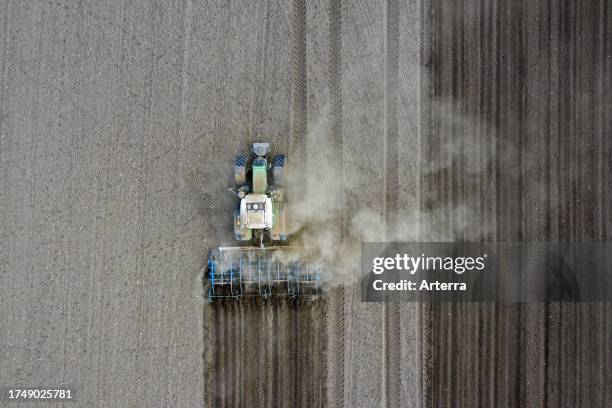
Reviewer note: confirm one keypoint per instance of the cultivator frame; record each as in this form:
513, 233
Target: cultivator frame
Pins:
238, 272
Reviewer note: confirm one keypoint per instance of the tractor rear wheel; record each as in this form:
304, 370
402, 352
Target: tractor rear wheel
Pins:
278, 170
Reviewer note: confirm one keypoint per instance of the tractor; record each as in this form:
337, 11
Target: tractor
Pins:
260, 214
262, 264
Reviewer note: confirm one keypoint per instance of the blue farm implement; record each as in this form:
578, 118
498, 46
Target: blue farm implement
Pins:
236, 272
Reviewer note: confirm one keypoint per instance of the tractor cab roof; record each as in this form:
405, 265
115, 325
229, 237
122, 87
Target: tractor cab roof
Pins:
256, 211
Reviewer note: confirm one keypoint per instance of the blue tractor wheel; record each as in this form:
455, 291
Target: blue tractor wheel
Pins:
278, 170
240, 166
241, 160
279, 160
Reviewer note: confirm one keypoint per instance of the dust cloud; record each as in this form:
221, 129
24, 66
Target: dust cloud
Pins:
325, 229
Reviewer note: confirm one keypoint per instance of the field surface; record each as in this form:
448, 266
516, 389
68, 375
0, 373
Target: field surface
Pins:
410, 120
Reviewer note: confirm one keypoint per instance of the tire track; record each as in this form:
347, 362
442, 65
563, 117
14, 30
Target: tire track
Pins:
251, 339
243, 344
391, 311
287, 366
218, 364
301, 352
320, 349
335, 322
427, 31
228, 357
268, 352
237, 336
209, 355
298, 121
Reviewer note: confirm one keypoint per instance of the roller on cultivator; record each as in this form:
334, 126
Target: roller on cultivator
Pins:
265, 266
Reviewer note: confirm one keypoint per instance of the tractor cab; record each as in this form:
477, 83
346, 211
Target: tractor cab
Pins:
256, 212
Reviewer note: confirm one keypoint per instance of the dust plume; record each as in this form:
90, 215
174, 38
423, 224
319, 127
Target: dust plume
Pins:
329, 229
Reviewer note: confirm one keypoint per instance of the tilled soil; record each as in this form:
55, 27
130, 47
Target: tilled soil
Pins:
266, 353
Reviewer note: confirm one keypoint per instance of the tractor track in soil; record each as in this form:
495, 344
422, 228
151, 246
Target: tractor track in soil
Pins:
392, 315
336, 315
